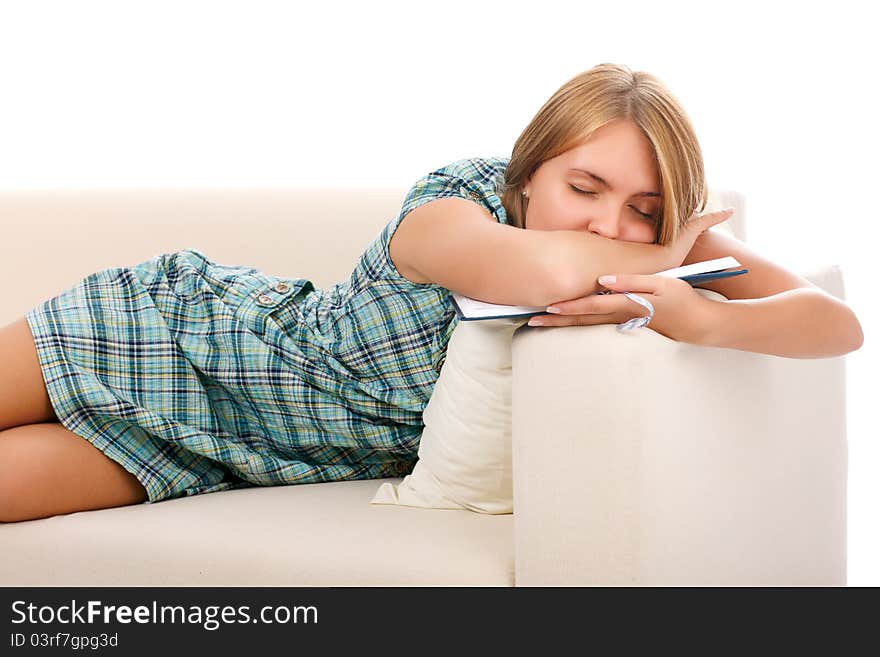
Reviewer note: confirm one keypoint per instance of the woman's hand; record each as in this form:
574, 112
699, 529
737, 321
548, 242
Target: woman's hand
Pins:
681, 247
680, 312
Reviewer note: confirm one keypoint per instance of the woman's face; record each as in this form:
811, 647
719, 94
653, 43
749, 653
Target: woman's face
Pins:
621, 155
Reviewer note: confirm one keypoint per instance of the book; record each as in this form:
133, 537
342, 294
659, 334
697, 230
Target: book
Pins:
468, 309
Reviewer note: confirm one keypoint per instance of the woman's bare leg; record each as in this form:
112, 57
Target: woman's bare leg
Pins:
23, 396
47, 470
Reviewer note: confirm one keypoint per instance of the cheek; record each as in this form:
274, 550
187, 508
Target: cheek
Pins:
642, 232
543, 216
561, 214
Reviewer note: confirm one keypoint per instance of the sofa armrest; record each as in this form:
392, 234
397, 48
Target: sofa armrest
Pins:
639, 460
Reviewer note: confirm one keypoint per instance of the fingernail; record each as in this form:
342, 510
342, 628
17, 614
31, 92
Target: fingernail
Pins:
536, 322
604, 280
553, 309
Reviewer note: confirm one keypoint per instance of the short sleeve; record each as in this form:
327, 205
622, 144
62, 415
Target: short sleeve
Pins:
430, 188
464, 179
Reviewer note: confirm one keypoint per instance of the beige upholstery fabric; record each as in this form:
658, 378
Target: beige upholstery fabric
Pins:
678, 466
310, 535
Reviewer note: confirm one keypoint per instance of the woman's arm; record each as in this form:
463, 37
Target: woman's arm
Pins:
458, 245
586, 256
772, 310
799, 323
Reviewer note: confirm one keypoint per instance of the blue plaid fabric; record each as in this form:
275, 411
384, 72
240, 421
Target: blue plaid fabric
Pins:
199, 377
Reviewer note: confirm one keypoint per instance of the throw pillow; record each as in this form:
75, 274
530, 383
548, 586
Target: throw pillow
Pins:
465, 447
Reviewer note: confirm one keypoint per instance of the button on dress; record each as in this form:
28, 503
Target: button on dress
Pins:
199, 377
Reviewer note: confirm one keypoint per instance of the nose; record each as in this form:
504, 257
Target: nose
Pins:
606, 224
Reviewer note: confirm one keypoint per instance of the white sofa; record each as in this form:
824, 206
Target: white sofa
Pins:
637, 460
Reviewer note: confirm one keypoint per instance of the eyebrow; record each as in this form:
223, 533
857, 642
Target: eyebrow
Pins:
604, 183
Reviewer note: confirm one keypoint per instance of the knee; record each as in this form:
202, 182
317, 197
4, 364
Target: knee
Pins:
45, 470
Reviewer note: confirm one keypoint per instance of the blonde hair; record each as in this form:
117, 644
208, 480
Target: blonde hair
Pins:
588, 101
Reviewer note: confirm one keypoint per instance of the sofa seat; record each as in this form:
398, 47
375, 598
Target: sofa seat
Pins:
325, 534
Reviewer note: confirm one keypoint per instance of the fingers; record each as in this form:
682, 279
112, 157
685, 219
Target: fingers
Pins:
708, 219
721, 215
714, 214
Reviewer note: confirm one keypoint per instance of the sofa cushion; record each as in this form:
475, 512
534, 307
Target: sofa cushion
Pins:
323, 534
464, 450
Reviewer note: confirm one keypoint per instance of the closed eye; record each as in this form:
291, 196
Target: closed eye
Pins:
636, 210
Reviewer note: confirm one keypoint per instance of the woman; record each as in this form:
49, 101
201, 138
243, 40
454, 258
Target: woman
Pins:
180, 376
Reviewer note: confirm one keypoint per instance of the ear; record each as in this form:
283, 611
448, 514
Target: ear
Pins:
526, 186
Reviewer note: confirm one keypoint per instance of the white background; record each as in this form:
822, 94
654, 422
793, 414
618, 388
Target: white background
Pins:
99, 94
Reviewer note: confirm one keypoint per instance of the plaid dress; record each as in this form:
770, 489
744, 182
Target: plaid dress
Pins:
199, 377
